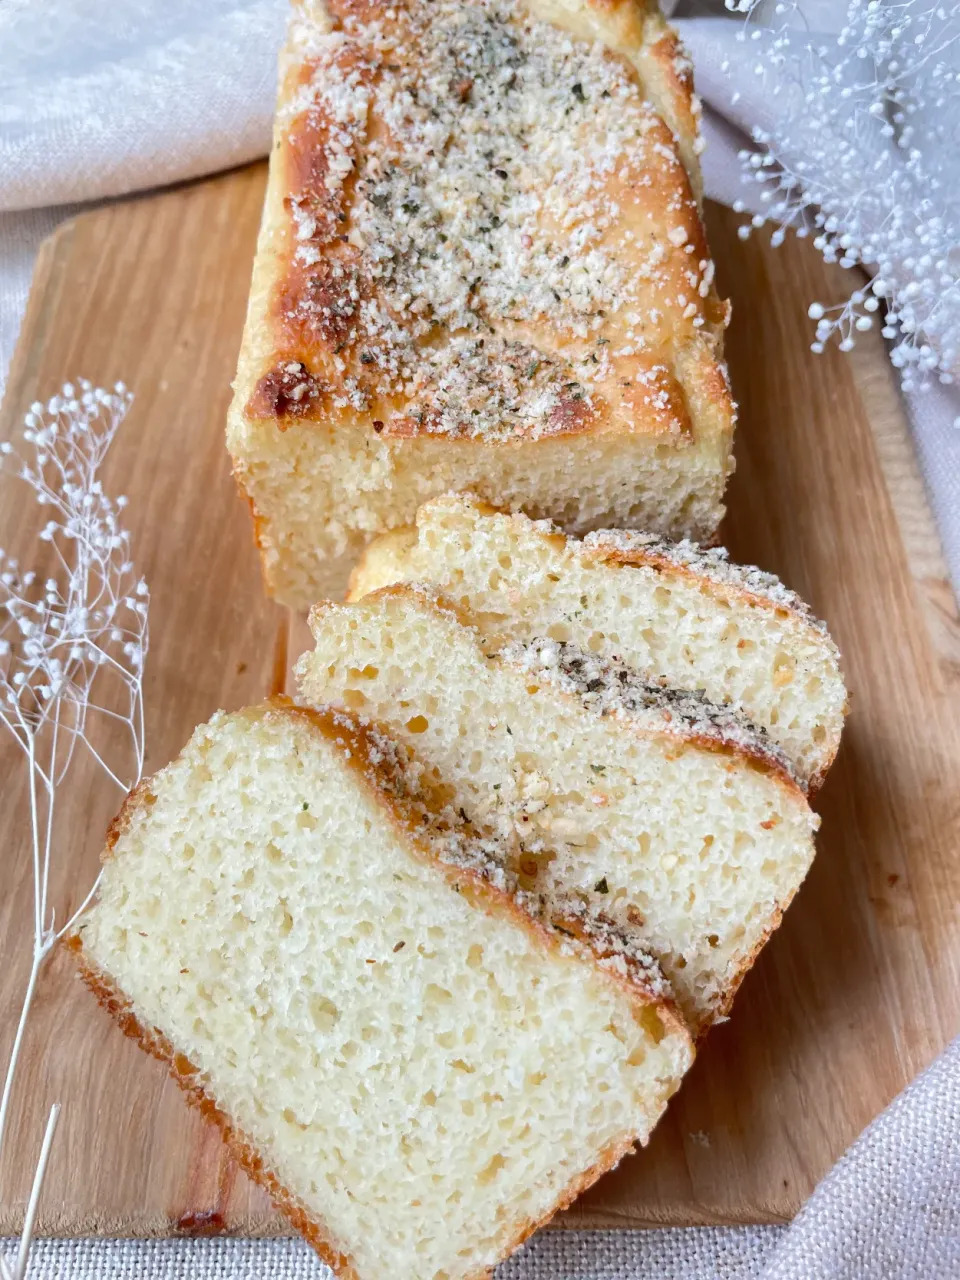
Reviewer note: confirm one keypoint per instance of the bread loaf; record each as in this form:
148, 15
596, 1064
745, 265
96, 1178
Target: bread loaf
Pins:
481, 265
674, 813
675, 612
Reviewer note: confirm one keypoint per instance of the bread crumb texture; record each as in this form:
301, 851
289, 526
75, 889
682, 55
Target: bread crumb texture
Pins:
428, 1075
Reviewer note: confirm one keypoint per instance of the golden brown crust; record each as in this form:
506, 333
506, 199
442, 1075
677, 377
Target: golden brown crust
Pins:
155, 1043
722, 1010
314, 318
683, 114
140, 797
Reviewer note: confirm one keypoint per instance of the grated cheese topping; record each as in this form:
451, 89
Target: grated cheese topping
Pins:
710, 562
499, 181
609, 687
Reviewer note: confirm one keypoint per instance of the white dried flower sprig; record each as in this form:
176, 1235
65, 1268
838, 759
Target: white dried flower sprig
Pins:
863, 157
72, 650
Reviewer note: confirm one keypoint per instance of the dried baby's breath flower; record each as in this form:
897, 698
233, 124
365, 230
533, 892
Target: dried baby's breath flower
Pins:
863, 159
72, 650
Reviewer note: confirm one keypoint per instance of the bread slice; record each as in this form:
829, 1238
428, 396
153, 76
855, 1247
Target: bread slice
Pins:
419, 1061
672, 812
481, 265
675, 612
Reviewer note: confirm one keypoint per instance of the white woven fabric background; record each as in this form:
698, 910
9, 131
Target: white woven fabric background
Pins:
713, 1253
98, 99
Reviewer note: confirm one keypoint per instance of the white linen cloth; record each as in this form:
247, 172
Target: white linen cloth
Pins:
99, 99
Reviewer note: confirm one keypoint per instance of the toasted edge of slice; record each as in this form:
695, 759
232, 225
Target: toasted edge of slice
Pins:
637, 598
468, 863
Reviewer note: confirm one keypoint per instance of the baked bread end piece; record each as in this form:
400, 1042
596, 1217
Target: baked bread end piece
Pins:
481, 265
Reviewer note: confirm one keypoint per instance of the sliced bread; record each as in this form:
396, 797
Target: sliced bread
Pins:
673, 611
673, 812
419, 1061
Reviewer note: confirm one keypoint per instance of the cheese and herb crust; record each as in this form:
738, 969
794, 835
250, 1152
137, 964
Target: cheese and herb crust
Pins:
481, 264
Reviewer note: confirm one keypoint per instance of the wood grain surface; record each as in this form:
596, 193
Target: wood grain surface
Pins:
858, 990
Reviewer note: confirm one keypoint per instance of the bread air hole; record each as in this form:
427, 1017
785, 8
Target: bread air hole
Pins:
783, 670
324, 1013
418, 724
490, 1170
648, 1019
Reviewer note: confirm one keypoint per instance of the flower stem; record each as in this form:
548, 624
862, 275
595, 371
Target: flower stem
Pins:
30, 1218
39, 955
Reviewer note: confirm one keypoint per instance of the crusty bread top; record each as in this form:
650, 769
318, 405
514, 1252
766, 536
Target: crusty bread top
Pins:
485, 225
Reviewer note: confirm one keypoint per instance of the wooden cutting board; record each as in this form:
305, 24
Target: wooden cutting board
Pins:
855, 994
